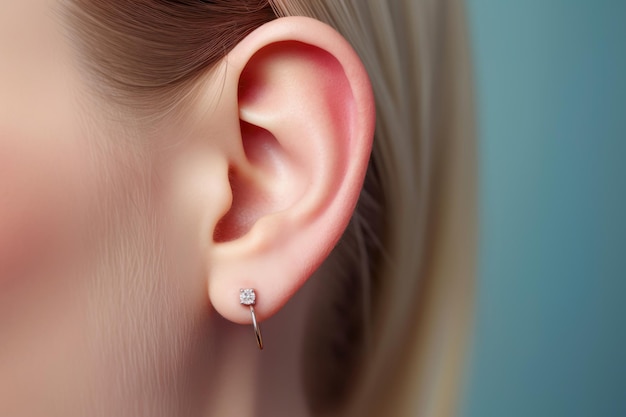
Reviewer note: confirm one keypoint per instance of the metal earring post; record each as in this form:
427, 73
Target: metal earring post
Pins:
247, 297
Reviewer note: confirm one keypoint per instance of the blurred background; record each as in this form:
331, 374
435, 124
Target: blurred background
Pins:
550, 328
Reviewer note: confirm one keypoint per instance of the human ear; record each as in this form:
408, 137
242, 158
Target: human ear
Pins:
296, 160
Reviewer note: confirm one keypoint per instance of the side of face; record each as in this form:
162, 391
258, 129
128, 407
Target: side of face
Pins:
82, 270
121, 243
41, 151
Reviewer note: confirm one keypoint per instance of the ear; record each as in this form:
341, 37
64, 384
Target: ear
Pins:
300, 152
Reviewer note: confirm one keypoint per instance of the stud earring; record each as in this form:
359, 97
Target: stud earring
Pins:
247, 297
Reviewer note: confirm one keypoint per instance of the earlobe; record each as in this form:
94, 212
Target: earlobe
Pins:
306, 123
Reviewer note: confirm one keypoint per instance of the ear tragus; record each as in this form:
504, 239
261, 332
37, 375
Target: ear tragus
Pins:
259, 185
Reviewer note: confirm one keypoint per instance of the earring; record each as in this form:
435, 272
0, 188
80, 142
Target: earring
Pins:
247, 297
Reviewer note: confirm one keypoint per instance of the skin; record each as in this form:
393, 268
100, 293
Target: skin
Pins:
115, 298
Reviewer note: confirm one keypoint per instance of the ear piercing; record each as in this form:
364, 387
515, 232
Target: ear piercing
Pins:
247, 297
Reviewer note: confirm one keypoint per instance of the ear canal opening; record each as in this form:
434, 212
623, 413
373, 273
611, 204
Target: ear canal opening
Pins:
253, 185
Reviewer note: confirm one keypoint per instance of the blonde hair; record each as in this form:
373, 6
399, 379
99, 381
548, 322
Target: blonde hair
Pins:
417, 214
391, 328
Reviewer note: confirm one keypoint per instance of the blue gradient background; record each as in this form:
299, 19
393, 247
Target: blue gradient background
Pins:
550, 330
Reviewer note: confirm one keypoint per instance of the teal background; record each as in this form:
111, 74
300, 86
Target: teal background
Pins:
550, 328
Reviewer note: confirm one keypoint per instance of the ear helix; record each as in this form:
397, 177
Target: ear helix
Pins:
247, 297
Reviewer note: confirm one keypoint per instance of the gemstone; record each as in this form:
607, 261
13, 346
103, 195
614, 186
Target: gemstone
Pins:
247, 296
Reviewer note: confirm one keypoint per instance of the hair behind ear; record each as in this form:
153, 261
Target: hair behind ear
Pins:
416, 272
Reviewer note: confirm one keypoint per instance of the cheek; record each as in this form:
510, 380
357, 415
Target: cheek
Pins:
38, 139
36, 187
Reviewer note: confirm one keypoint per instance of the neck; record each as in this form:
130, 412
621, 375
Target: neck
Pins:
217, 368
250, 382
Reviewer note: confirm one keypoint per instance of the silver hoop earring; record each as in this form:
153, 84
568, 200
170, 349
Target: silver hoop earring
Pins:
247, 297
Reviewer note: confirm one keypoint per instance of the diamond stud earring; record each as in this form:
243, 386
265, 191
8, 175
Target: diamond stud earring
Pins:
247, 297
